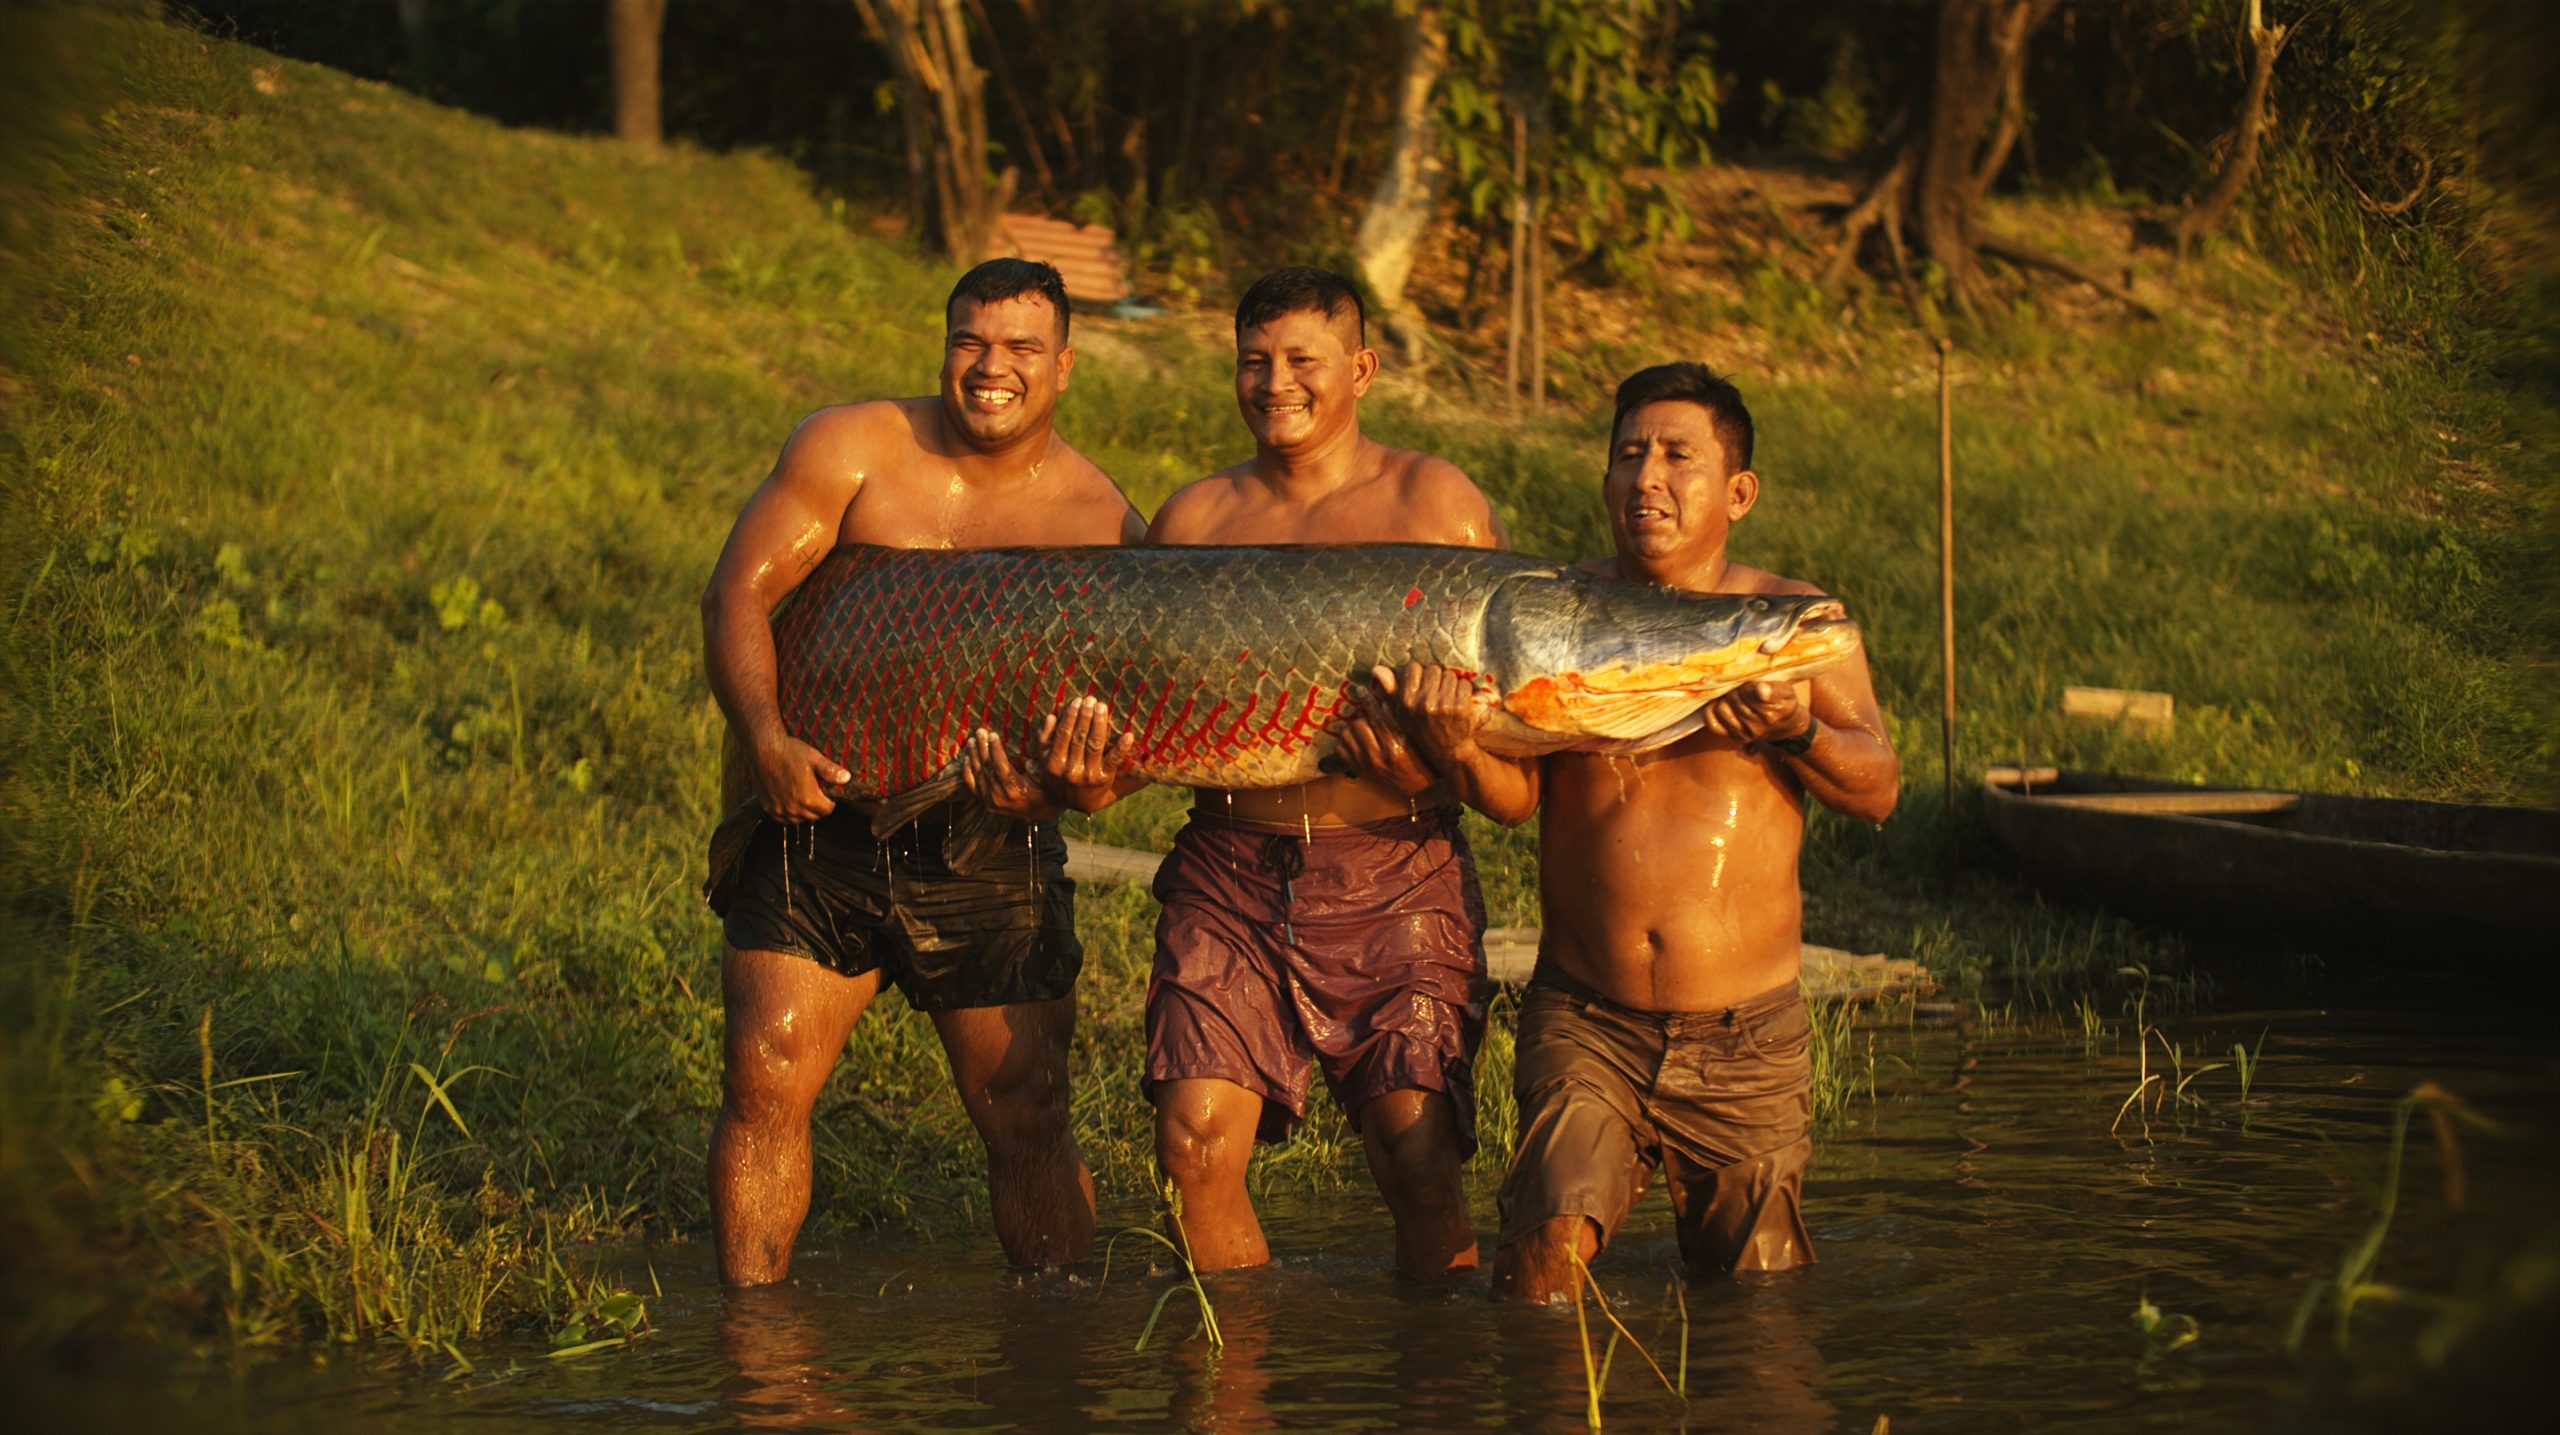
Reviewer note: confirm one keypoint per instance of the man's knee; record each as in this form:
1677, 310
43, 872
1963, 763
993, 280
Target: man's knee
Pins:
1192, 1149
1413, 1144
1538, 1264
1021, 1115
764, 1083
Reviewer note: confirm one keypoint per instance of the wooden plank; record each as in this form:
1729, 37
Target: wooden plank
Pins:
2184, 804
1087, 257
1510, 953
2130, 706
1092, 862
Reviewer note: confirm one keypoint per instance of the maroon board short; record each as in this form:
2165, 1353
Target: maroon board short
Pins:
1359, 949
1721, 1100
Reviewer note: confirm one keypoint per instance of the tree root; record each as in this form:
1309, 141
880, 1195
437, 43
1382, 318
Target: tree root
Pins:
2027, 256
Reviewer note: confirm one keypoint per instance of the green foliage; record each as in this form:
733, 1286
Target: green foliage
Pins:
1619, 98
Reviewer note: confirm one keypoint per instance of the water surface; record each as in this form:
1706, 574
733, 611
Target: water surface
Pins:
1984, 1244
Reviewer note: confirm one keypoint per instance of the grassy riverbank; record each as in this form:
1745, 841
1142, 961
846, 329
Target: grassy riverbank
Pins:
363, 463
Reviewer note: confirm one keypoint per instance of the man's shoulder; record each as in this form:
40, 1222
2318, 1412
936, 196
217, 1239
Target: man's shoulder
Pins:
840, 428
1441, 498
1197, 500
1427, 475
1747, 579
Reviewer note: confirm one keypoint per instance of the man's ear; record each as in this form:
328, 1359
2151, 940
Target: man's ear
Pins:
1364, 367
1066, 366
1741, 491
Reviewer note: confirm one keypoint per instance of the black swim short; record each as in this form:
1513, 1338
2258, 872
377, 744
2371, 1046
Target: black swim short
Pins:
830, 891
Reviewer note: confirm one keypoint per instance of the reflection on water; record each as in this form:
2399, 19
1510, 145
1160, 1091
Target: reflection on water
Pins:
1983, 1239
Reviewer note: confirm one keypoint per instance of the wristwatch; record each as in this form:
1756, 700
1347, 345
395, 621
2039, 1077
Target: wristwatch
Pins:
1794, 746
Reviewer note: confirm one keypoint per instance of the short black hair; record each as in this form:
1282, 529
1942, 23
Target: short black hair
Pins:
1000, 279
1301, 289
1689, 383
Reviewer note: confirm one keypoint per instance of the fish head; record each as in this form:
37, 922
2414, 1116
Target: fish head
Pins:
1589, 663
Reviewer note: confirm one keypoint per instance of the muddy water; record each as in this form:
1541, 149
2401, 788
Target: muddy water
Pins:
1984, 1244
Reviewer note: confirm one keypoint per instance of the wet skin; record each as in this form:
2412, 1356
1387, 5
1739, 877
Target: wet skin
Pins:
1314, 478
976, 466
1668, 879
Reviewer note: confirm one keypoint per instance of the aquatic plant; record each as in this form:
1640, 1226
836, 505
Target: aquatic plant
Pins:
1595, 1373
2163, 1332
2354, 1282
2244, 1060
1180, 1245
1840, 1072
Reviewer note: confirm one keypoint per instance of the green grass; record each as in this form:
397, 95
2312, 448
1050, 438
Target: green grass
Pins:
363, 464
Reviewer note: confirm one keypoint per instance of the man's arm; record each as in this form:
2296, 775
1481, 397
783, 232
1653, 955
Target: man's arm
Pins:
789, 523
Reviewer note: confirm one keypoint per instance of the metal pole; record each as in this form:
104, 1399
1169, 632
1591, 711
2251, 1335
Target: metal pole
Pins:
1947, 592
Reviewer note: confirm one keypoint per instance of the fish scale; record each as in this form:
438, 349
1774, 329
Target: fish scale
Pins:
1227, 665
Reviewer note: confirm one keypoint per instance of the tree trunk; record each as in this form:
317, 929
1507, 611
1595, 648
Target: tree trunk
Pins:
417, 43
1400, 208
1031, 146
1928, 198
633, 28
942, 106
2208, 212
1979, 44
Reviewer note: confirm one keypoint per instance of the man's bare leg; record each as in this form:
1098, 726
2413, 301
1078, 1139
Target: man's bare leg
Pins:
1411, 1138
1538, 1267
1010, 1064
1204, 1143
787, 1018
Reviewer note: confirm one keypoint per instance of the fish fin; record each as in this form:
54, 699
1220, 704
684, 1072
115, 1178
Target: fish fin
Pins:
896, 812
728, 846
976, 834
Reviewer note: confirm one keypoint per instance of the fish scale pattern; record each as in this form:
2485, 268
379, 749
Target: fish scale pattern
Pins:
1228, 664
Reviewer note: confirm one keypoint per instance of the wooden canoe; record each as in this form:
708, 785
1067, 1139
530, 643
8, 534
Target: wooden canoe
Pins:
2316, 871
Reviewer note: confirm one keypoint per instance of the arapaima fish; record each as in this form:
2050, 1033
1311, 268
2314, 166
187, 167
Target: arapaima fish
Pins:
1232, 666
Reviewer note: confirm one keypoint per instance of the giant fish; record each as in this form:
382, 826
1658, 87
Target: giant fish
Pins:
1232, 667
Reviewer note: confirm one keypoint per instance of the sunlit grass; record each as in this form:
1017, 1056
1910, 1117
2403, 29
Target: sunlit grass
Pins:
363, 464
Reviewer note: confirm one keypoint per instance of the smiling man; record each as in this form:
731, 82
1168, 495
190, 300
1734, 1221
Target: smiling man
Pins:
819, 913
1337, 923
1664, 1026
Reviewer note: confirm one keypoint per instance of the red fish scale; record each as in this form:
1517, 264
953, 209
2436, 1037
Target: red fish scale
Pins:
1228, 663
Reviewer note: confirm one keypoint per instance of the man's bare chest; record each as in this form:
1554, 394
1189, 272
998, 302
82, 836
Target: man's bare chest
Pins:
945, 511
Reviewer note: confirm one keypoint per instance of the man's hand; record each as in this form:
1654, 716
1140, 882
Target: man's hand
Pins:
987, 770
1374, 744
1078, 769
792, 779
1757, 712
1084, 760
1442, 712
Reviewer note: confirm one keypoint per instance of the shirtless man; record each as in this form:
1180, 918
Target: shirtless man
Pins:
1664, 1025
818, 913
1337, 922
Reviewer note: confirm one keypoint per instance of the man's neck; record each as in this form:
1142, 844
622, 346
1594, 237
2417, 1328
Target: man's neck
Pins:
1308, 473
994, 467
1705, 574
